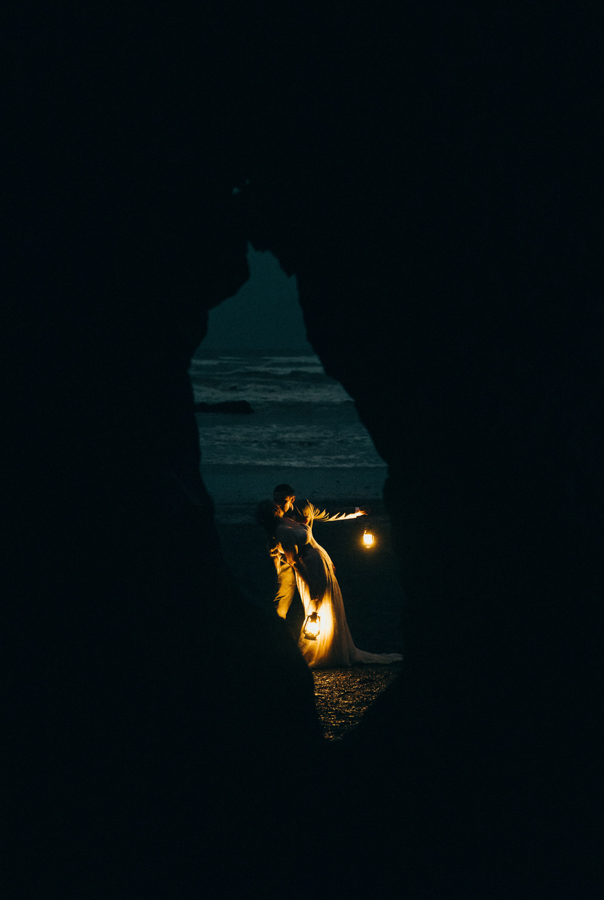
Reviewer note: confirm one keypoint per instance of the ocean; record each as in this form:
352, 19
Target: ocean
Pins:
304, 429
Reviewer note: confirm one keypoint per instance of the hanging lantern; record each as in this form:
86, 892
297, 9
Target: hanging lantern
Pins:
368, 539
311, 627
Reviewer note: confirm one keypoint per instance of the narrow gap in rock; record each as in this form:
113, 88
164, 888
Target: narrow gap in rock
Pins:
268, 414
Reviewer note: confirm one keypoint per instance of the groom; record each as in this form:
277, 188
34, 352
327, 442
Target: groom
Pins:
306, 513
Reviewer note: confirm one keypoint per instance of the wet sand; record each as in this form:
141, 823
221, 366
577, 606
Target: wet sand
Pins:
343, 695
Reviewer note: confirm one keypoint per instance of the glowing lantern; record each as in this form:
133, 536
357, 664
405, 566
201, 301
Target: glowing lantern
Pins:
311, 627
368, 539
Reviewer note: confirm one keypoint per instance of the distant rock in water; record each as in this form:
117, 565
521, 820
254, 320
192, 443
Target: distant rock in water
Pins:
240, 407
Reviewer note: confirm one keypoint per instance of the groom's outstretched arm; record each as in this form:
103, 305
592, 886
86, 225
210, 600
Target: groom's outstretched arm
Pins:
322, 515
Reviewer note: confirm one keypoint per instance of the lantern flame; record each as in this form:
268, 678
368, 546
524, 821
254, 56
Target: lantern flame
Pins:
368, 539
311, 627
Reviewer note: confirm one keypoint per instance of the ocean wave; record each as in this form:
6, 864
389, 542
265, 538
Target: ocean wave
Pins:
285, 370
280, 432
345, 446
309, 360
261, 381
258, 365
282, 392
309, 375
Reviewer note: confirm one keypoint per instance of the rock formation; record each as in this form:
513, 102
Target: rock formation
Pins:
432, 177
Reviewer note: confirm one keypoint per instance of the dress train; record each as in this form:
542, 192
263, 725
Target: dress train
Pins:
333, 647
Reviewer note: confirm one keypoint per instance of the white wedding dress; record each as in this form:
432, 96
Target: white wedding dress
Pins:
316, 580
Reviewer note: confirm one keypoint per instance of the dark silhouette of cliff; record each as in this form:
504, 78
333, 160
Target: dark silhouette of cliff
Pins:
432, 175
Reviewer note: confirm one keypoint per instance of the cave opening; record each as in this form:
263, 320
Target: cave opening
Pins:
267, 413
432, 179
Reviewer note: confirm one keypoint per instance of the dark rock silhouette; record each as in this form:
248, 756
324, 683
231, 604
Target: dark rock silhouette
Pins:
433, 178
237, 407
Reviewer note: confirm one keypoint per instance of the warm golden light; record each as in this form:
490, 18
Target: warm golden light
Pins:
368, 539
312, 626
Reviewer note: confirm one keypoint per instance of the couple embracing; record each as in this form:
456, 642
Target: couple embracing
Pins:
301, 562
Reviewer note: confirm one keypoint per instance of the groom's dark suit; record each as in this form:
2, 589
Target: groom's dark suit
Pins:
307, 512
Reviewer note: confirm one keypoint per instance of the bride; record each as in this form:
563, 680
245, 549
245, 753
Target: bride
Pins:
318, 587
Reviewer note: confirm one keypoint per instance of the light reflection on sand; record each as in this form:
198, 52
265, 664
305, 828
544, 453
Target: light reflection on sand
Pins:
344, 695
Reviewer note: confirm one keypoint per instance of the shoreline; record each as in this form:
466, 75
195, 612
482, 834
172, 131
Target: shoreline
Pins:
238, 488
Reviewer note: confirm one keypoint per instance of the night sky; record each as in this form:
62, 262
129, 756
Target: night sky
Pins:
265, 313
